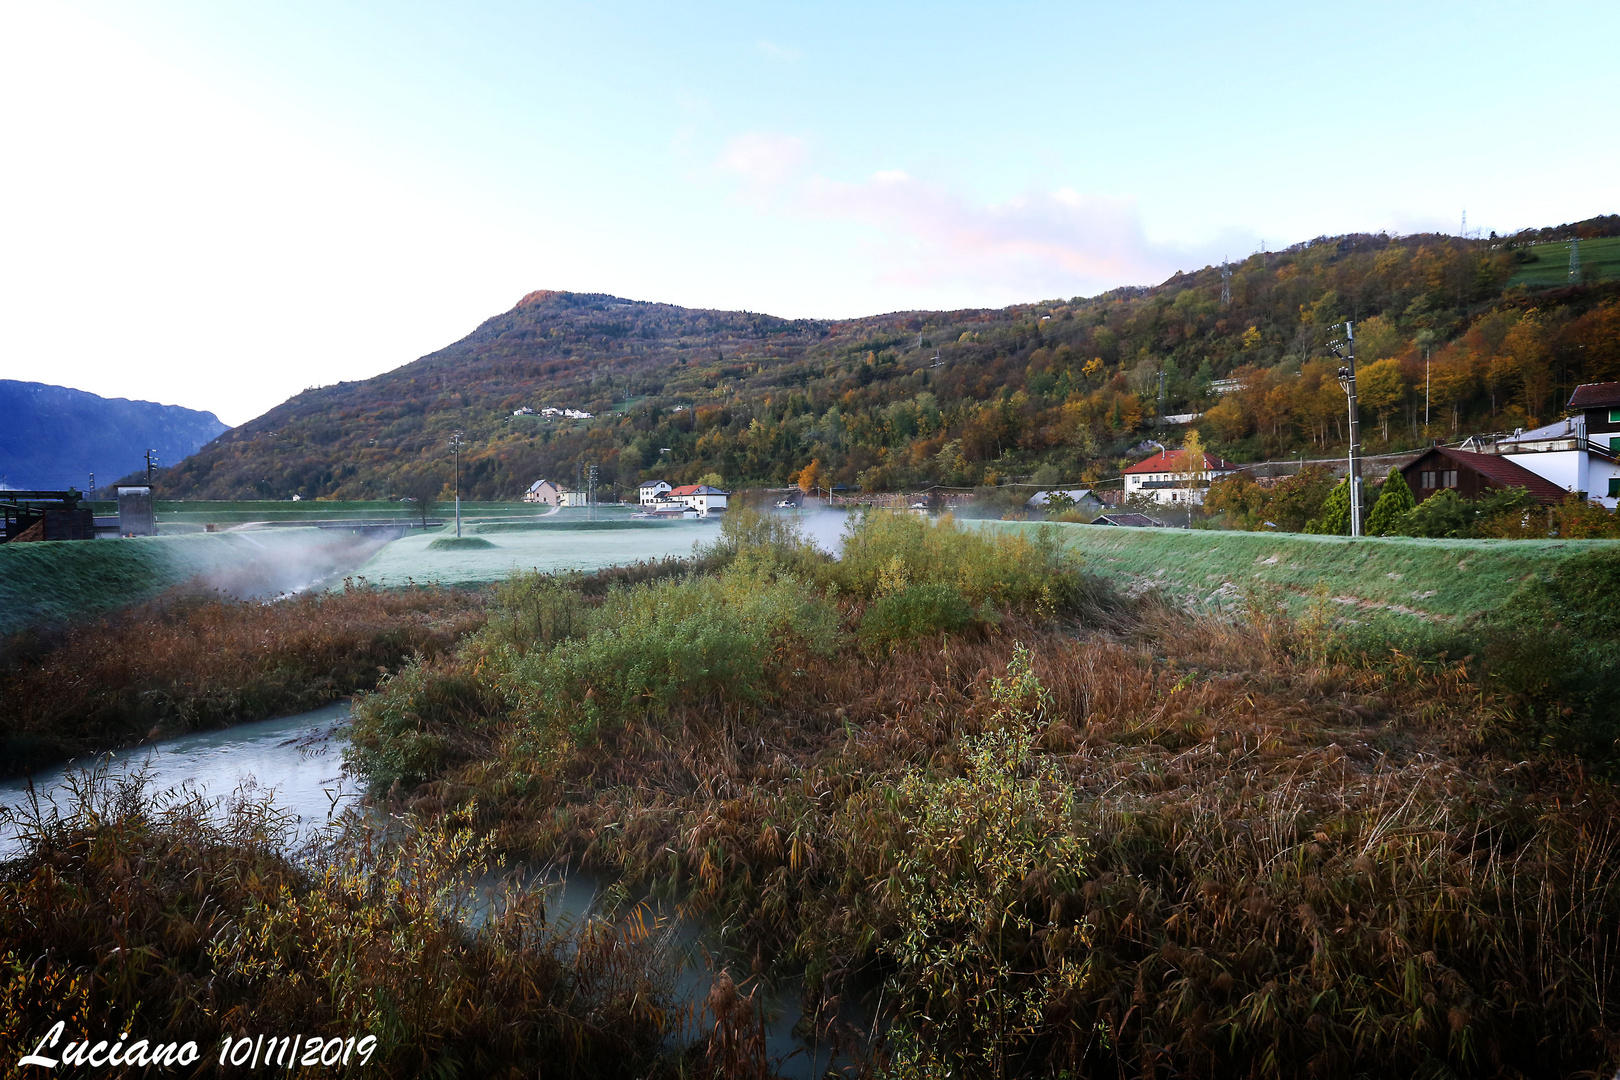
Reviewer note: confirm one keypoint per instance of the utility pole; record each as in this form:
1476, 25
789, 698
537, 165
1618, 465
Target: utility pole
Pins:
1347, 380
455, 449
151, 463
92, 492
1226, 284
1575, 261
590, 490
1426, 350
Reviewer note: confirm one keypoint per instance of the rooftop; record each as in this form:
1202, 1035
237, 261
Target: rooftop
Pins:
1596, 395
1171, 460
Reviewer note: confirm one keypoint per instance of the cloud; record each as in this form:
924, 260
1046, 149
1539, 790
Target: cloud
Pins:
787, 54
1038, 240
763, 161
923, 235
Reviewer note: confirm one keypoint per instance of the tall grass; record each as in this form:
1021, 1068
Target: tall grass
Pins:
193, 663
160, 916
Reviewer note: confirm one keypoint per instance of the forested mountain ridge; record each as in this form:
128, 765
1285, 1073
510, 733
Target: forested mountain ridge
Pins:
1062, 389
54, 437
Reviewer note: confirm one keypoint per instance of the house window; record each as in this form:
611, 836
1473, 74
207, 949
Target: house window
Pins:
1428, 480
1614, 416
1614, 487
1448, 478
1614, 444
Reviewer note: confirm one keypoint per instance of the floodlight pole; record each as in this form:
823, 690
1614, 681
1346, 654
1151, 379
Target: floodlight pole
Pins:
1347, 379
455, 449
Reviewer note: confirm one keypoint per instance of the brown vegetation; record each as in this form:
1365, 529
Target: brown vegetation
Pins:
189, 663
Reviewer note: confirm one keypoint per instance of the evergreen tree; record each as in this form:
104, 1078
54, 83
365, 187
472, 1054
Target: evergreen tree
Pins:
1334, 520
1395, 500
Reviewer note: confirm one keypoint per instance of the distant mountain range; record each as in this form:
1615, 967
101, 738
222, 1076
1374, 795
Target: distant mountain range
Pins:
53, 437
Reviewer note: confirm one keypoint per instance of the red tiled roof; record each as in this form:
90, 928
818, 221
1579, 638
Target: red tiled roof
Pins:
684, 489
1595, 395
1170, 461
1504, 473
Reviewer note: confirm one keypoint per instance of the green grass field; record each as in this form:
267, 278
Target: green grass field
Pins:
1553, 266
1417, 579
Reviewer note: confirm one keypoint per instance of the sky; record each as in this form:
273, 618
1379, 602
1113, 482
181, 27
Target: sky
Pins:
218, 204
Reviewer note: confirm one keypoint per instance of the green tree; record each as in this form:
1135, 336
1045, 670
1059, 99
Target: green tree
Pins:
1395, 500
1334, 520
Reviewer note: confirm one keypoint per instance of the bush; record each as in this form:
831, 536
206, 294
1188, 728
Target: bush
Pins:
1026, 571
1393, 501
648, 647
914, 612
1334, 519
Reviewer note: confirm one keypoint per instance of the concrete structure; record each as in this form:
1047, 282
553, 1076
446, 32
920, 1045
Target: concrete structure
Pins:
651, 491
701, 497
543, 491
567, 497
1166, 478
1471, 475
135, 516
668, 512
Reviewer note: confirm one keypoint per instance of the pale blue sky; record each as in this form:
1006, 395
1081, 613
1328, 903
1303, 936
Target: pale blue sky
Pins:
217, 204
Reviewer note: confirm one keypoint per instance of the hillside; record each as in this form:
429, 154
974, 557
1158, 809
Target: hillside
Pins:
54, 437
1062, 389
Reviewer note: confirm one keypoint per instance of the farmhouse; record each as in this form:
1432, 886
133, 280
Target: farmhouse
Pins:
1471, 475
651, 491
1166, 478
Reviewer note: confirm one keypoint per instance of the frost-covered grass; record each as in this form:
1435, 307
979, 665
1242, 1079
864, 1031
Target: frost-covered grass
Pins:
414, 558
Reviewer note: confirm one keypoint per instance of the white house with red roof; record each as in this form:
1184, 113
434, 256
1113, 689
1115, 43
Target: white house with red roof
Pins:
701, 497
1167, 478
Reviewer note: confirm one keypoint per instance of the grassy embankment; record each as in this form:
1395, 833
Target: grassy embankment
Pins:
60, 582
1447, 580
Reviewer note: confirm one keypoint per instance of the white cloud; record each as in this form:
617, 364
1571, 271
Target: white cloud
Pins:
923, 236
786, 54
763, 161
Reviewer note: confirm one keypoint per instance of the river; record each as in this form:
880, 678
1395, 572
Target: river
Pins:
299, 761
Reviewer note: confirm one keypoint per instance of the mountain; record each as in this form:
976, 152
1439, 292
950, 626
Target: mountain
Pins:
53, 437
1483, 333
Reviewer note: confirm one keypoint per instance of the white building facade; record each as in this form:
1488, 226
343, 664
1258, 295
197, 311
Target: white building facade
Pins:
1167, 479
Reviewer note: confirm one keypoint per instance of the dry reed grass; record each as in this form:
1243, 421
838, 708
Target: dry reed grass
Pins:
190, 663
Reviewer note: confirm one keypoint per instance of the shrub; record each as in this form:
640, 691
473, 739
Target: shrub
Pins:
1027, 571
648, 647
1393, 501
1334, 519
913, 612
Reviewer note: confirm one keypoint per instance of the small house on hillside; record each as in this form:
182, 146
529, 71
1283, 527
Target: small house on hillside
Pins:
543, 491
1168, 478
651, 491
1471, 475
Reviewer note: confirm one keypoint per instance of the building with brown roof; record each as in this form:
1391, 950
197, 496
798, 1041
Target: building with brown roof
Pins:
1471, 475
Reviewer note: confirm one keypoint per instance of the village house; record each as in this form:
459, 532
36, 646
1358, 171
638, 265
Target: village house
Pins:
1471, 475
1580, 453
704, 499
651, 491
1166, 479
543, 491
